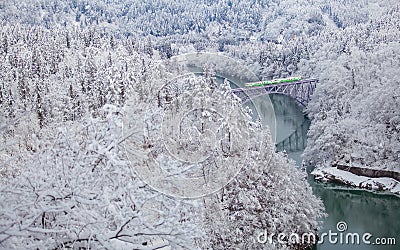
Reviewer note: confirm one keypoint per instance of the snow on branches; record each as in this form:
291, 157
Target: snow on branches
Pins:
78, 190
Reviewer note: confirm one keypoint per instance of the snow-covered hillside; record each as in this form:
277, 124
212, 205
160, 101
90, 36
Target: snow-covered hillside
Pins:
67, 69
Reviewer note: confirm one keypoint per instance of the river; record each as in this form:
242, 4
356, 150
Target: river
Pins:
362, 211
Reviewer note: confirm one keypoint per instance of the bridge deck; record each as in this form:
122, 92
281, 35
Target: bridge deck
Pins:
301, 90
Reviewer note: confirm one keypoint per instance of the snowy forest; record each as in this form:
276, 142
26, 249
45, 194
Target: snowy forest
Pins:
68, 70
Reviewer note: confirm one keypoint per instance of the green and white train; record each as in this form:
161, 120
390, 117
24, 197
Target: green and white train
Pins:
275, 81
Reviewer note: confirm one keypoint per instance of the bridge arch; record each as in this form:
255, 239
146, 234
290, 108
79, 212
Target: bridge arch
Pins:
301, 91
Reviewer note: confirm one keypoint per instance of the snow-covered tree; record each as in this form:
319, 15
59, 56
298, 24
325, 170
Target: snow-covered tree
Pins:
78, 190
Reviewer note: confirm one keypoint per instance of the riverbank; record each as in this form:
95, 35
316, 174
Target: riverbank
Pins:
353, 177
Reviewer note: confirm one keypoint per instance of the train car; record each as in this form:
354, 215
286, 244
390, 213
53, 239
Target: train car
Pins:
275, 81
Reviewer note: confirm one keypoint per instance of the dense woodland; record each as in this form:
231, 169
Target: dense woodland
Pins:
68, 67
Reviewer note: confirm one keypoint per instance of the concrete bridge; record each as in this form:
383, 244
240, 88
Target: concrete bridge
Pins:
301, 91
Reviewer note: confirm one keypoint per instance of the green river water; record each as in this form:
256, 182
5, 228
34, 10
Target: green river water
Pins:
362, 211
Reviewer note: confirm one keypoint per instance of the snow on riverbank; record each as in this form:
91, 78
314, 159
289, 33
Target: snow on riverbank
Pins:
333, 174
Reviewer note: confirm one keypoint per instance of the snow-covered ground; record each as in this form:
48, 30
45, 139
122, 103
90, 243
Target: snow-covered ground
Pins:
333, 174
